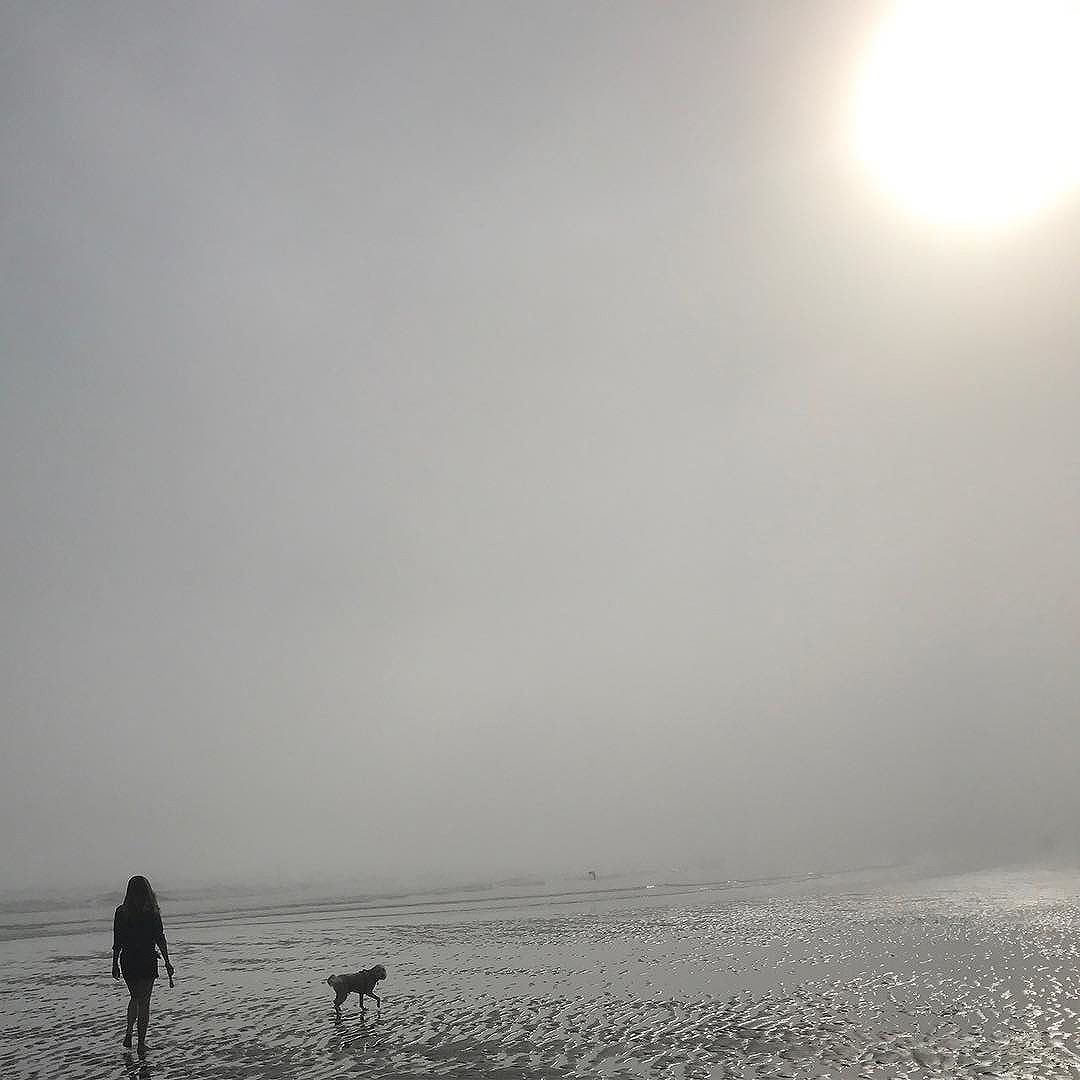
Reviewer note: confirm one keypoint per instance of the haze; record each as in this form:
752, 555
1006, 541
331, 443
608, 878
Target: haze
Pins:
491, 439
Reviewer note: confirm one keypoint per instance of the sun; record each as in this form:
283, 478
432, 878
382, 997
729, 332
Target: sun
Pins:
968, 111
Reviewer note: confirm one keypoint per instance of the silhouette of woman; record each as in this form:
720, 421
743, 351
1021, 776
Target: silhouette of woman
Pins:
137, 934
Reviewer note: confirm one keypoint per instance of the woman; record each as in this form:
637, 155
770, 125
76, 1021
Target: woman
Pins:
137, 934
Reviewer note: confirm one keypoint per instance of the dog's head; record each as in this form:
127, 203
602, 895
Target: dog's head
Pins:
379, 972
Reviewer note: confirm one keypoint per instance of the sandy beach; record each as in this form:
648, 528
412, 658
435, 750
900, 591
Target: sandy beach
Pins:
968, 976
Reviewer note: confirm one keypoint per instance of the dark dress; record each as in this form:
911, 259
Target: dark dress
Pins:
137, 936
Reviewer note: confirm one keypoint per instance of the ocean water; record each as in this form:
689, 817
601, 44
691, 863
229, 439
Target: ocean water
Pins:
854, 976
36, 915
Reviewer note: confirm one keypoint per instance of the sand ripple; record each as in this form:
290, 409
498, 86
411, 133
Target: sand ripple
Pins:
939, 983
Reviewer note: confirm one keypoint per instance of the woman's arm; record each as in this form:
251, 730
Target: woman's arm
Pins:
163, 945
116, 945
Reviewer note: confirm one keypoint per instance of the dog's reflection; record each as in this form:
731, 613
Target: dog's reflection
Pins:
360, 1031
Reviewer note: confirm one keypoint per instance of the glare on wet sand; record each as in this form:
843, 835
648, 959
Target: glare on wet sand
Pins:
973, 976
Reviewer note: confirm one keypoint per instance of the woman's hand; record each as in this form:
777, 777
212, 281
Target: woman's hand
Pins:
115, 970
169, 968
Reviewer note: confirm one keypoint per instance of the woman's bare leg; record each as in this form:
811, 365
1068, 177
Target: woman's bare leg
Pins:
144, 1018
142, 1008
132, 1008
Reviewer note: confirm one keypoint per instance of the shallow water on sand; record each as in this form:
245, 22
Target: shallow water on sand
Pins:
953, 978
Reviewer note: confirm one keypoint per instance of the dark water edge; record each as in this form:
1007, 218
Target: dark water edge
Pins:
51, 915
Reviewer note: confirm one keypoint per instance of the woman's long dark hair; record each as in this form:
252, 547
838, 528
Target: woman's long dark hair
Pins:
140, 897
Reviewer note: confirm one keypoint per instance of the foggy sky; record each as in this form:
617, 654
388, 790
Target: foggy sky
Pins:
491, 438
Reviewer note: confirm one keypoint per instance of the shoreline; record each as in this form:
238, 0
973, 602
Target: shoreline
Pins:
443, 901
855, 976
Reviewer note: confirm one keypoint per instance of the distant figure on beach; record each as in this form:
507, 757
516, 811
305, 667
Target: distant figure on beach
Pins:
137, 935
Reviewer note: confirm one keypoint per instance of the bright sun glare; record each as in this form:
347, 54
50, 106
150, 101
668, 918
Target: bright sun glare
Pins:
968, 111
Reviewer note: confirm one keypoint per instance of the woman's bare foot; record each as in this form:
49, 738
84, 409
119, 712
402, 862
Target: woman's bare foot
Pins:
127, 1041
142, 1049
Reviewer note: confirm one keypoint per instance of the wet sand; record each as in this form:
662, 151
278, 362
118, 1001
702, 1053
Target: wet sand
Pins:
963, 977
